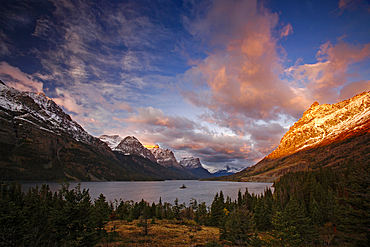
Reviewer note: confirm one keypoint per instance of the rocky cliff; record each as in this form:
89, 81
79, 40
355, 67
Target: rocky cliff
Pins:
325, 136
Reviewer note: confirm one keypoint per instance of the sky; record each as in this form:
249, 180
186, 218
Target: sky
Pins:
220, 80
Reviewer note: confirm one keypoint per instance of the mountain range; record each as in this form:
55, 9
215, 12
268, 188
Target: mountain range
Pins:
327, 135
39, 141
190, 168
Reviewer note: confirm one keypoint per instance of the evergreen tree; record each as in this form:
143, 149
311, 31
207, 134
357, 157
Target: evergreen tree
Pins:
101, 215
315, 212
201, 214
239, 227
292, 226
357, 196
217, 210
159, 210
176, 209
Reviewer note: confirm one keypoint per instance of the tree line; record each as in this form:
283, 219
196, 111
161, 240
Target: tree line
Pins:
308, 208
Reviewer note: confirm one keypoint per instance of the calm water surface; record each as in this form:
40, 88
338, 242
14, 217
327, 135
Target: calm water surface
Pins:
202, 191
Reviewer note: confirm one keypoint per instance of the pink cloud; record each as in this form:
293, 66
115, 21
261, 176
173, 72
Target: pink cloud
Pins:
324, 79
68, 101
351, 89
239, 82
344, 3
17, 79
287, 30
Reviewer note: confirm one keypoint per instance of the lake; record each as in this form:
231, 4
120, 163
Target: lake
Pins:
169, 190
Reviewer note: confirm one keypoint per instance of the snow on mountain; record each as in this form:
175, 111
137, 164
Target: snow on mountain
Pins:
42, 112
324, 124
132, 146
112, 141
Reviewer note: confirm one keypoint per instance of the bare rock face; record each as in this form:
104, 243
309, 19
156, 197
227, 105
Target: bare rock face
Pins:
325, 136
132, 146
325, 124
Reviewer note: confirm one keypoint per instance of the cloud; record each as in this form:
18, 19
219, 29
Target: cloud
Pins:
67, 101
324, 79
238, 82
17, 79
351, 89
287, 30
190, 138
5, 46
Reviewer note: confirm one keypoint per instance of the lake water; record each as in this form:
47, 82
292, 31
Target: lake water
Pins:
150, 191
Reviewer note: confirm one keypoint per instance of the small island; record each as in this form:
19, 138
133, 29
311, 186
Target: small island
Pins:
183, 186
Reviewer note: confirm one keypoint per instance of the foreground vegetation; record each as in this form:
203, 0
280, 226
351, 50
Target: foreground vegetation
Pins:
312, 208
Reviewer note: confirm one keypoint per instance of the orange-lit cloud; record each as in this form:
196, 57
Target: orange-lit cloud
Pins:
19, 80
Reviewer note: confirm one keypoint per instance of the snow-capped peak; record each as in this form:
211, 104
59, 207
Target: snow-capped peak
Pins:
41, 112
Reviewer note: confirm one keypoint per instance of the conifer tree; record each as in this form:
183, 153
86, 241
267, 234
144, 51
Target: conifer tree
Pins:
239, 227
357, 196
315, 212
292, 226
217, 210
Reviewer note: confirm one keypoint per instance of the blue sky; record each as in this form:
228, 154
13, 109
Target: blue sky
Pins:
218, 80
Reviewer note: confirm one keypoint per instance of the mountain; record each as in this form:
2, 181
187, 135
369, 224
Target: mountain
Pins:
137, 158
227, 170
194, 165
325, 136
166, 158
40, 142
132, 146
